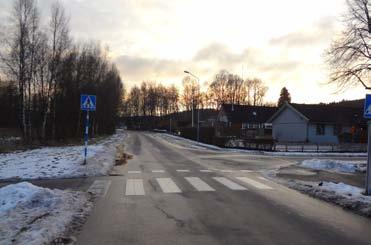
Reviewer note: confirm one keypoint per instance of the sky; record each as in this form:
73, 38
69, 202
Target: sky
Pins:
281, 42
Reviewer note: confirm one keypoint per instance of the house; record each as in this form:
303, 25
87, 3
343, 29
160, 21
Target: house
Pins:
318, 124
244, 121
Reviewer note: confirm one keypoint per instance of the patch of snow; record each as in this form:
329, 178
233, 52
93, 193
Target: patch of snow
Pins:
347, 191
317, 154
202, 146
60, 162
335, 165
189, 143
35, 215
346, 196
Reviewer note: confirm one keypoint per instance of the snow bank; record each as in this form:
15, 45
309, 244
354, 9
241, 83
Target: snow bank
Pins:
197, 145
35, 215
335, 165
346, 196
189, 143
317, 154
347, 191
60, 162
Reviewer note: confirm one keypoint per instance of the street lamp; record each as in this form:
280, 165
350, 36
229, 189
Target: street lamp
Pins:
198, 110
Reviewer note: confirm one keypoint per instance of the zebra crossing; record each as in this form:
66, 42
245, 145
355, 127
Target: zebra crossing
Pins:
135, 183
200, 170
135, 187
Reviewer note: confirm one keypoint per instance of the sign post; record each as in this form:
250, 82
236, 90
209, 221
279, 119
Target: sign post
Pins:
367, 114
87, 103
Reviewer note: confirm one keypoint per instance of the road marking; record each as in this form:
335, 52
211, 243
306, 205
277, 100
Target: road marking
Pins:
226, 171
254, 183
183, 170
100, 187
168, 186
246, 171
158, 171
206, 171
199, 184
134, 187
230, 184
134, 172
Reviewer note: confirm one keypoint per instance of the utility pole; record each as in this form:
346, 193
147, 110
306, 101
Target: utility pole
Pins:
170, 125
192, 112
198, 110
198, 124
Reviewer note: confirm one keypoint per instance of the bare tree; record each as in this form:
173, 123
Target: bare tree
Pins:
349, 56
191, 97
59, 43
256, 92
19, 56
218, 88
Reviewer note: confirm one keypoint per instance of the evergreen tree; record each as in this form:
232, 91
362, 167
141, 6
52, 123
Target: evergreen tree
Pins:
284, 97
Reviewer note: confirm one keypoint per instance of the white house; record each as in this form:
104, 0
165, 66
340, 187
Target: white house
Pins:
318, 124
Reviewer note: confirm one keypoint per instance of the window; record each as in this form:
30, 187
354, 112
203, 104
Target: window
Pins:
320, 129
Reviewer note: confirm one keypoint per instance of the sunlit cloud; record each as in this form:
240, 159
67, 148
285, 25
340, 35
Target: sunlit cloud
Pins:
282, 42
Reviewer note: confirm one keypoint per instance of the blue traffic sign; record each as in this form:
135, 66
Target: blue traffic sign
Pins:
88, 102
367, 110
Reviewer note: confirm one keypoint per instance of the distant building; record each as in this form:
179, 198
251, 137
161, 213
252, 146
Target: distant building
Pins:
244, 121
319, 123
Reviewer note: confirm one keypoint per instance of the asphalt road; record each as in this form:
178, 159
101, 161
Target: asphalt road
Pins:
168, 194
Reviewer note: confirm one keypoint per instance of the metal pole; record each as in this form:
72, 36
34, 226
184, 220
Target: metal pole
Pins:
368, 172
198, 124
170, 125
192, 114
86, 136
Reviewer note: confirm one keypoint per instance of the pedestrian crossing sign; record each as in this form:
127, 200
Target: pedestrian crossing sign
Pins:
367, 109
88, 102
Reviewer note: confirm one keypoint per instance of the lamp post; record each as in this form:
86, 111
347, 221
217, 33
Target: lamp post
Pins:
198, 110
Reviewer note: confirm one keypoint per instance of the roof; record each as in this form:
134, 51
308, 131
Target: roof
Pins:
248, 113
326, 113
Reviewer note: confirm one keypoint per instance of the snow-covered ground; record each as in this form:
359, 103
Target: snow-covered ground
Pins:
60, 162
202, 146
346, 196
335, 165
187, 142
35, 215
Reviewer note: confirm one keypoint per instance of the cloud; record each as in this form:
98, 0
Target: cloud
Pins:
320, 32
135, 69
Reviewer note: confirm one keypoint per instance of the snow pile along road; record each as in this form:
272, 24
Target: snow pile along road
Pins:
60, 162
35, 215
335, 165
187, 142
346, 196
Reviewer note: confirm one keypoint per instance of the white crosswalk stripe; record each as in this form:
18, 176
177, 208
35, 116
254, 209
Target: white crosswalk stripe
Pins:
246, 171
134, 187
206, 171
158, 171
100, 187
228, 183
226, 171
168, 186
254, 183
183, 170
134, 172
199, 184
